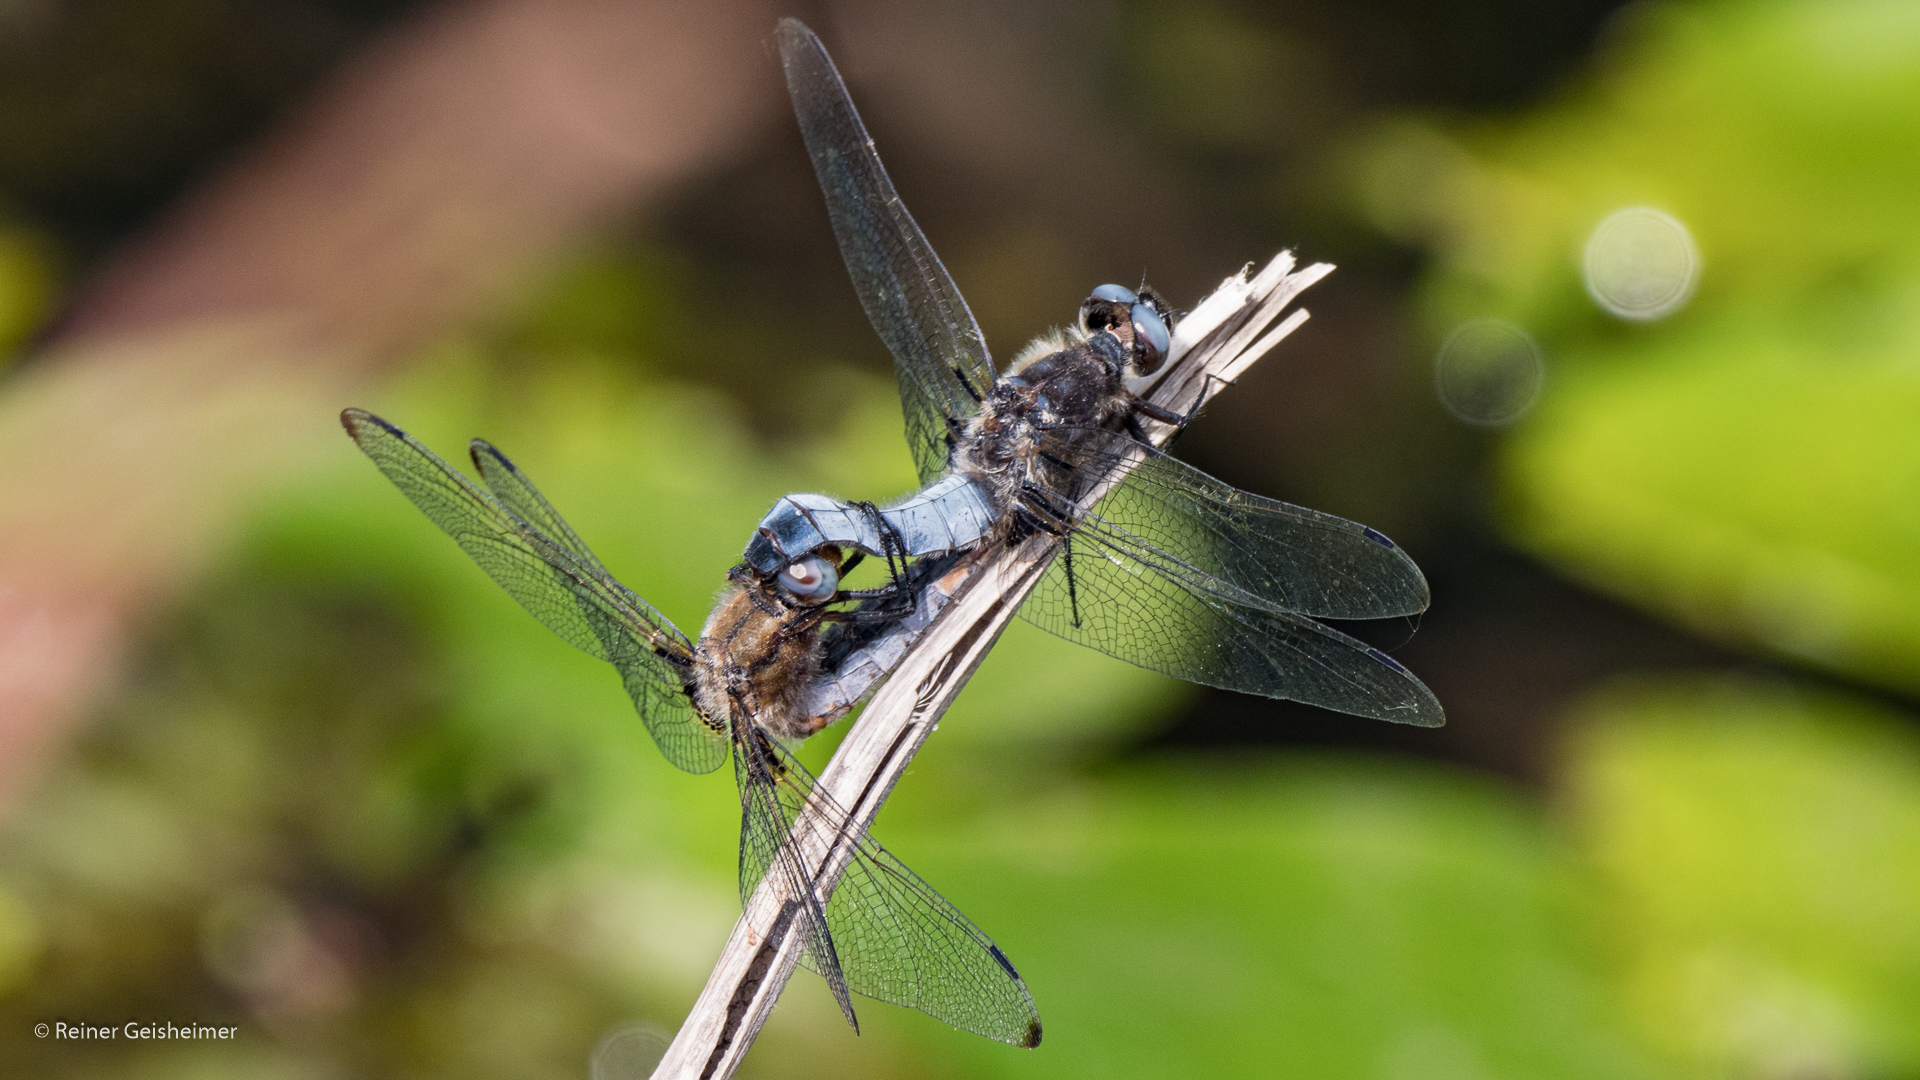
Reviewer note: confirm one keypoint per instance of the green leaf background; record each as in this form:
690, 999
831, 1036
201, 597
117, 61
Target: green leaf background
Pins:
348, 722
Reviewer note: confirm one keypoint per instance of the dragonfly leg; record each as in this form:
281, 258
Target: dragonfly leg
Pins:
1168, 416
872, 615
893, 546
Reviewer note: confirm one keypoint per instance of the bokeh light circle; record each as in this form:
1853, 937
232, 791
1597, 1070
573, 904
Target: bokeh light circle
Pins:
1641, 264
1488, 372
628, 1052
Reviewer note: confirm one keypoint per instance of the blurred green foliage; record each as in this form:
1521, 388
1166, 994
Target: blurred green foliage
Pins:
354, 799
1746, 466
1761, 849
1286, 915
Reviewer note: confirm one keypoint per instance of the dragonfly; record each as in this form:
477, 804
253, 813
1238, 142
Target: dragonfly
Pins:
1171, 569
757, 678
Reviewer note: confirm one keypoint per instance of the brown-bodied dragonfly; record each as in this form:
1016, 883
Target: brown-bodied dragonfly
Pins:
768, 668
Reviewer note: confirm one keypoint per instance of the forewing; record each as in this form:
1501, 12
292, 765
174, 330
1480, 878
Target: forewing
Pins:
1103, 596
566, 589
513, 490
1262, 552
889, 935
938, 351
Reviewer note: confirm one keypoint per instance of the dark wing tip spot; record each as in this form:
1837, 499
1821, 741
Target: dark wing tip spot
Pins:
356, 421
1376, 536
1002, 958
481, 446
1032, 1038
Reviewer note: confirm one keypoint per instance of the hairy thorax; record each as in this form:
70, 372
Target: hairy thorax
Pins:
755, 660
1040, 403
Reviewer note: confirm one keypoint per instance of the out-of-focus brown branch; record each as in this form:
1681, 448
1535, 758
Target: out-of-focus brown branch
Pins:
444, 159
211, 355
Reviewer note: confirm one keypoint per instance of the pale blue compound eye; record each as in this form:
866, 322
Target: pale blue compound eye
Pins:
1119, 294
1150, 339
811, 578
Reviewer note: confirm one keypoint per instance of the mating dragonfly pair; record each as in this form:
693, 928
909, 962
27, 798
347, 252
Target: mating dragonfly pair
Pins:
1170, 569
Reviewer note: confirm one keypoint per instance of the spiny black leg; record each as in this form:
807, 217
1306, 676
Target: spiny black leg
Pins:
1166, 416
1045, 496
859, 617
896, 596
1200, 402
1180, 420
893, 546
896, 550
1062, 528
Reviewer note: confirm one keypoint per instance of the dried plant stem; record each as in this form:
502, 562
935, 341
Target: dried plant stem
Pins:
1223, 335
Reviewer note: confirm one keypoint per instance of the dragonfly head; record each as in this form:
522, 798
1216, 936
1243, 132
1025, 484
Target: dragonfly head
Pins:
812, 578
1138, 320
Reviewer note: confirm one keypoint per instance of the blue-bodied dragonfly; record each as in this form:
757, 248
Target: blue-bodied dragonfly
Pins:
1171, 569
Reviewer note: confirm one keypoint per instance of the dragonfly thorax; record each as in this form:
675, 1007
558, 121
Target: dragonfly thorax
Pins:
1006, 449
756, 659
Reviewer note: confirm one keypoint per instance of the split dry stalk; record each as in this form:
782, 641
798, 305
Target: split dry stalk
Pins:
1221, 338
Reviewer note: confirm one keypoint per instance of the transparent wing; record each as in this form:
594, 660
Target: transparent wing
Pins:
887, 934
1103, 597
1135, 578
514, 491
1247, 549
558, 581
768, 806
938, 351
